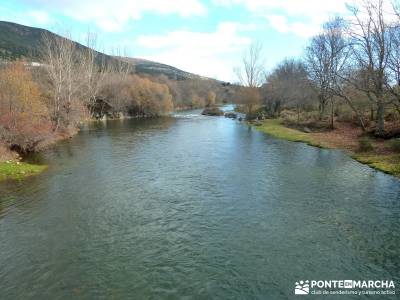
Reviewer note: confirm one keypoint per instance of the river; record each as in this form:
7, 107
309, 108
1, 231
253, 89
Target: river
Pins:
193, 207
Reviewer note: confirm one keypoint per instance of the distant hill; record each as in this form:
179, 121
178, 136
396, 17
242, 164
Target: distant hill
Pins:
145, 66
20, 41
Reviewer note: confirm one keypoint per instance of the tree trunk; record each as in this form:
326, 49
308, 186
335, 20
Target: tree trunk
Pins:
321, 106
332, 114
380, 118
298, 115
372, 113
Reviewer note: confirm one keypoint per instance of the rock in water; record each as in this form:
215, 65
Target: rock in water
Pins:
212, 111
231, 115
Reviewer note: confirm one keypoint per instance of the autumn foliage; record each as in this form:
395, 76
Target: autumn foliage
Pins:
40, 104
136, 96
24, 117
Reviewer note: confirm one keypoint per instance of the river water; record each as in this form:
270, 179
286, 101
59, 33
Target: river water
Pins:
193, 207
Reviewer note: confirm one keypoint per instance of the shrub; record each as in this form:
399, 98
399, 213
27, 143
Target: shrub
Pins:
394, 144
137, 96
211, 99
365, 145
24, 118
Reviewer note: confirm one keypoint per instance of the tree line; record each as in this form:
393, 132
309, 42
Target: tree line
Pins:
350, 70
74, 83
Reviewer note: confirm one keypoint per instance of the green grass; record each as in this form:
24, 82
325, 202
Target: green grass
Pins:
19, 170
388, 163
275, 128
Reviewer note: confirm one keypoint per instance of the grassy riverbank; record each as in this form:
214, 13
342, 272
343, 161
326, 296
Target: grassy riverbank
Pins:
11, 166
19, 170
379, 157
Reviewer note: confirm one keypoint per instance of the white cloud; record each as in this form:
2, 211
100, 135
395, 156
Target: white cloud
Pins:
29, 17
209, 54
114, 15
40, 17
279, 22
309, 8
302, 29
300, 17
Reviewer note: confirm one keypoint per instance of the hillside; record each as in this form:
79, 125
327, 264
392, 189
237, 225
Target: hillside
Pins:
20, 41
144, 66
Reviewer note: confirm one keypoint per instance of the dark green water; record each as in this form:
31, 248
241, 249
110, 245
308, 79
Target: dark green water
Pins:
193, 207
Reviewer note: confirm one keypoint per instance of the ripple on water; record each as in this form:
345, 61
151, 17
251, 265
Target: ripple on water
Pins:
193, 207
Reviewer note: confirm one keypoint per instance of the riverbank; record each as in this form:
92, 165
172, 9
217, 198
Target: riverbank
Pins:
12, 166
343, 137
19, 170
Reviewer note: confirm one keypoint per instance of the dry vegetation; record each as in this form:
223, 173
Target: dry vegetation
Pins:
42, 104
343, 93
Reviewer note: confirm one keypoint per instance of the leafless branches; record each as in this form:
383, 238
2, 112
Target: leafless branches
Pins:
252, 72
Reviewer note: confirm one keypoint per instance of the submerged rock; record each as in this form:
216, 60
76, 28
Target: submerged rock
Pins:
231, 115
212, 111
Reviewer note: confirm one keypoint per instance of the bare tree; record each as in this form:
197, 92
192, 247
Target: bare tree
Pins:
288, 84
325, 58
371, 47
94, 69
122, 65
329, 67
58, 57
393, 82
252, 72
251, 76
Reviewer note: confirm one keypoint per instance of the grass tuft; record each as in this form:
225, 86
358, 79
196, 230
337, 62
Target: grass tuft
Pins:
275, 128
18, 170
389, 164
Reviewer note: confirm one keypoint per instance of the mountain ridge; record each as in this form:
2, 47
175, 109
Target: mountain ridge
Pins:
19, 41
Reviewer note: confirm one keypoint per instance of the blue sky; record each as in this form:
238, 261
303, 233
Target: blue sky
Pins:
207, 37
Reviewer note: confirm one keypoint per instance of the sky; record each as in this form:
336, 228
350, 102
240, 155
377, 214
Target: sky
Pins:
206, 37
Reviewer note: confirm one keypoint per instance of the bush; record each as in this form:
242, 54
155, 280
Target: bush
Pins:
258, 114
24, 118
288, 116
365, 145
137, 96
394, 144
